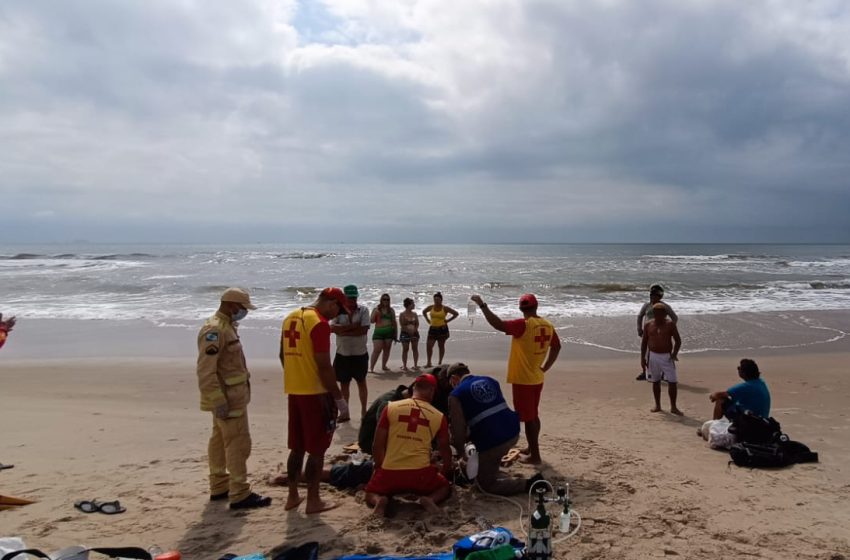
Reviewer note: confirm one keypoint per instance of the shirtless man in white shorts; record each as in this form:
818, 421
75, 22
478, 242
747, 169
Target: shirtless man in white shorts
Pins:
661, 338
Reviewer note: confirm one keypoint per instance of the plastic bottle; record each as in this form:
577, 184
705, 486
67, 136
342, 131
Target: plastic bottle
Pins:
471, 460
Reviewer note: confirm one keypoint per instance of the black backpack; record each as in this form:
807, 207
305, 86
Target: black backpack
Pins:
780, 453
748, 427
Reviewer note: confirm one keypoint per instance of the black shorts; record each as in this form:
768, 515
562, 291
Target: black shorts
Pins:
438, 333
351, 367
349, 475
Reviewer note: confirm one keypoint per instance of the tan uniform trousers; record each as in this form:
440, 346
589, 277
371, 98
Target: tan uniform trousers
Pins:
228, 451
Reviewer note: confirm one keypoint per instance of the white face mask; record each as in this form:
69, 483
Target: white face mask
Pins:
239, 315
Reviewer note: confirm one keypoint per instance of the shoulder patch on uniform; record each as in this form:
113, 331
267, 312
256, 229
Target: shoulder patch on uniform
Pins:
211, 336
211, 350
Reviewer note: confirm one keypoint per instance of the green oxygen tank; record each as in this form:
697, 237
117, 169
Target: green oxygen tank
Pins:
539, 537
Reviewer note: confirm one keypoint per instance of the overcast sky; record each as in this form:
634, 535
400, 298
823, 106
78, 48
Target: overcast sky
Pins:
431, 120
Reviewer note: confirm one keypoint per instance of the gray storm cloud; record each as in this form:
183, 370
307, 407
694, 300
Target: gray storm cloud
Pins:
425, 120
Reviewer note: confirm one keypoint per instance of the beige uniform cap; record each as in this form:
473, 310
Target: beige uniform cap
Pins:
238, 295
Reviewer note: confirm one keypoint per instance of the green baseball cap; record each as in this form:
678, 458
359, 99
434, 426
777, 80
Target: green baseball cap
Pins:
351, 291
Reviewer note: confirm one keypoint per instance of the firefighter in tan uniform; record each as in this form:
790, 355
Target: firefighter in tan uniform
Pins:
223, 379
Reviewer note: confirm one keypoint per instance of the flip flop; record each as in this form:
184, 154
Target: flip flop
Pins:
352, 447
110, 508
86, 506
510, 457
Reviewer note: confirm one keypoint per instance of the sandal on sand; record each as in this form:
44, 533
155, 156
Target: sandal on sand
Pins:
352, 447
86, 506
111, 508
91, 506
510, 457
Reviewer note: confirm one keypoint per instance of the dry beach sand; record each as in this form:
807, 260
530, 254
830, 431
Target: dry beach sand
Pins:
127, 427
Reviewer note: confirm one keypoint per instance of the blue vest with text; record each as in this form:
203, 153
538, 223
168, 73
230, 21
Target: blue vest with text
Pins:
489, 419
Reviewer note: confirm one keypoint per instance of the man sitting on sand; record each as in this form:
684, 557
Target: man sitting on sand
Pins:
752, 394
661, 338
402, 451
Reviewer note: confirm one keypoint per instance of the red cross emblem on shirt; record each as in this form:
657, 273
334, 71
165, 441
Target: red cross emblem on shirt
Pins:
414, 420
292, 334
542, 338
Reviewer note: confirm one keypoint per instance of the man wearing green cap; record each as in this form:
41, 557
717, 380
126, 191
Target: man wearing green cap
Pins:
352, 356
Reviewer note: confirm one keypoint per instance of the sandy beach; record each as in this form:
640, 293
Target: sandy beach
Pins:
127, 426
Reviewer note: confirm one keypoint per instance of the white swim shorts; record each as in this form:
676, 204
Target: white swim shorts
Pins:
661, 367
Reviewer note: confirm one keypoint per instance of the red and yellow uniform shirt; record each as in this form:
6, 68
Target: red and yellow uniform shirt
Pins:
411, 424
532, 338
304, 334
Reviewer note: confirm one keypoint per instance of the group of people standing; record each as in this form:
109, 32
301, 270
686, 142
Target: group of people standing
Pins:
352, 362
453, 408
317, 392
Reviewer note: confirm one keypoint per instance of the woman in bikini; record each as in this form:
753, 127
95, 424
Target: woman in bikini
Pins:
409, 335
438, 316
385, 333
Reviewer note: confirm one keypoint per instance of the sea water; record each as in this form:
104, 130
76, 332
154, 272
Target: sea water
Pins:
178, 285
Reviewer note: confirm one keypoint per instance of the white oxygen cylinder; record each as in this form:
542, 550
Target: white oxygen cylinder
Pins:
471, 460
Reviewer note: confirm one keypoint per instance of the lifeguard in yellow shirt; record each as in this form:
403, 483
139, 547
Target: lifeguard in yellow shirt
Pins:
402, 450
314, 399
534, 348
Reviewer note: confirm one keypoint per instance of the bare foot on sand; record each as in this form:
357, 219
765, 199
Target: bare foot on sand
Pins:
385, 369
677, 412
529, 460
320, 506
380, 509
293, 502
428, 504
525, 451
656, 409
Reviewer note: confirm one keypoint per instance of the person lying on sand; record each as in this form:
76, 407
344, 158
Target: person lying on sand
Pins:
343, 476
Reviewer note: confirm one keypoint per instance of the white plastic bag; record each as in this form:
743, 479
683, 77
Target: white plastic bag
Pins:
719, 436
11, 544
